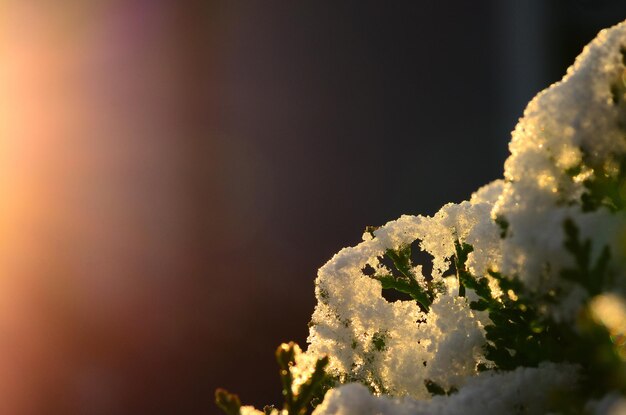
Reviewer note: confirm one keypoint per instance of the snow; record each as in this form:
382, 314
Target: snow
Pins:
571, 134
487, 393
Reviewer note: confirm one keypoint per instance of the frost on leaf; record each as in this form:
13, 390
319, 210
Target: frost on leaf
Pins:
512, 268
520, 306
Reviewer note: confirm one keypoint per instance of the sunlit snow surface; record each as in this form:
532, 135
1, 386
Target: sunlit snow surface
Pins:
573, 131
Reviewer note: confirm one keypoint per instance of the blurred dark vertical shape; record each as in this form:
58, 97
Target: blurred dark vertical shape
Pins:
524, 54
573, 24
537, 41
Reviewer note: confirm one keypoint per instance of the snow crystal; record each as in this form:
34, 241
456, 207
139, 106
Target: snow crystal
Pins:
487, 393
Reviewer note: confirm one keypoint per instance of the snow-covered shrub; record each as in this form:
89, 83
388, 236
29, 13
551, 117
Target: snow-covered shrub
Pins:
523, 309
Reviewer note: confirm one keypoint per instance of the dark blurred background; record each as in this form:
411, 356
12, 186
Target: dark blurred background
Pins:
173, 173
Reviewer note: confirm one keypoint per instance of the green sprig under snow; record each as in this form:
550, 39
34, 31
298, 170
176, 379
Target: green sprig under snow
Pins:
524, 310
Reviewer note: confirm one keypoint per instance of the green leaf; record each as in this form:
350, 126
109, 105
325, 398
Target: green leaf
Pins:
378, 339
593, 278
519, 335
297, 402
227, 402
285, 356
462, 250
406, 282
436, 389
605, 189
407, 286
503, 224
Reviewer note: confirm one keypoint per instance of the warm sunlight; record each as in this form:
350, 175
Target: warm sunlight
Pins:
88, 185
